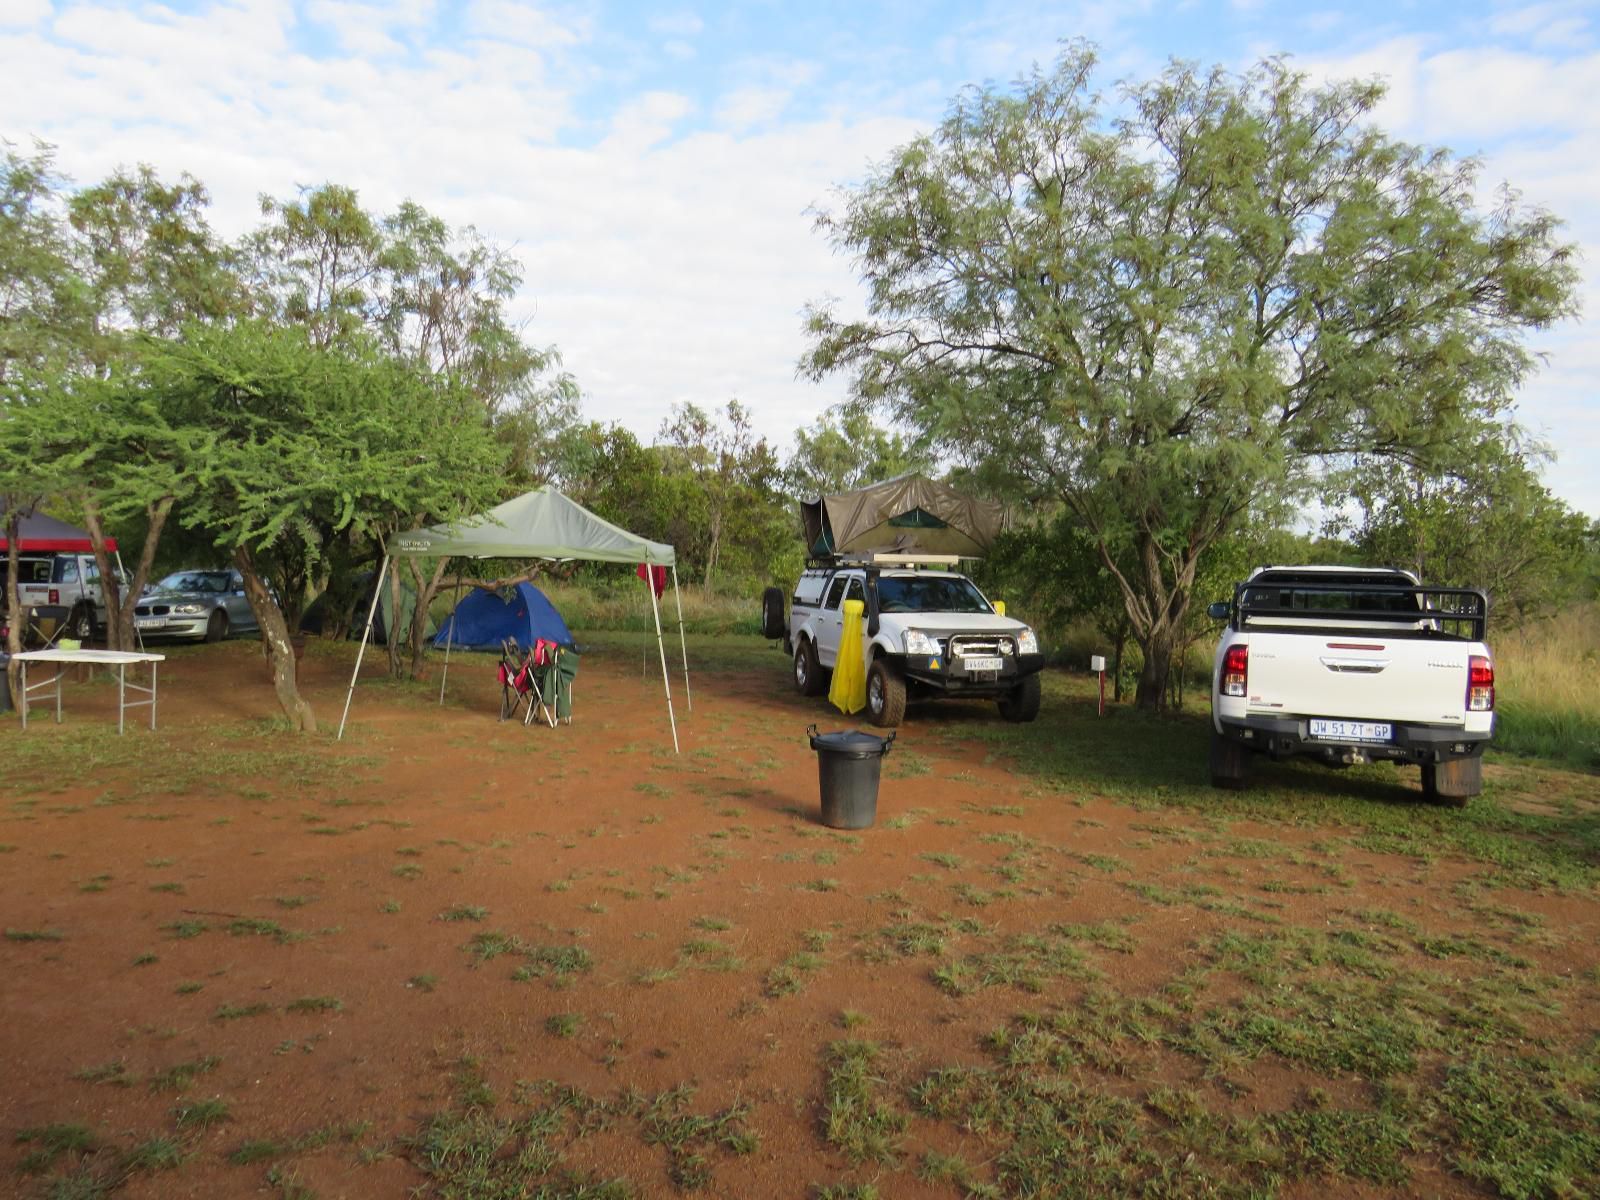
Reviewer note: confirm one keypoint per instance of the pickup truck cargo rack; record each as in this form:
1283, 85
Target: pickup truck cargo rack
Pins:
883, 559
1455, 614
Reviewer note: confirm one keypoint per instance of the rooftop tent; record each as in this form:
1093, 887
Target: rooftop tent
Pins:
542, 524
904, 514
484, 619
40, 534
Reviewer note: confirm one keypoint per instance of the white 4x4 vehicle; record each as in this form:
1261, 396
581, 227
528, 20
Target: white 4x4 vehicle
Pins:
1350, 665
928, 633
63, 585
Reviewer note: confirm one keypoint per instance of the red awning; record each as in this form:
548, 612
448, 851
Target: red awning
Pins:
40, 534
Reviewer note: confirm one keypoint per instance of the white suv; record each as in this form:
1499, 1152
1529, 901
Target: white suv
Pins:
929, 633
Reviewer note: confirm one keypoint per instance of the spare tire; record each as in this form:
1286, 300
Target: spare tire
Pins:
772, 622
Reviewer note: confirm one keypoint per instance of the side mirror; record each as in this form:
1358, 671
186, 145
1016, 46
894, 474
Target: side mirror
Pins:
1218, 610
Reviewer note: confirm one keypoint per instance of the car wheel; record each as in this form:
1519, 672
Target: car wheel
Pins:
81, 624
1023, 702
807, 670
886, 694
217, 626
1230, 763
1452, 783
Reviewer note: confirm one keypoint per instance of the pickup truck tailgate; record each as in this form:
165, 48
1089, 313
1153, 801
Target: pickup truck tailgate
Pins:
1365, 676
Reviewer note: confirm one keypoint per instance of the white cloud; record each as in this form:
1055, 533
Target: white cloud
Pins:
750, 106
21, 14
681, 24
527, 24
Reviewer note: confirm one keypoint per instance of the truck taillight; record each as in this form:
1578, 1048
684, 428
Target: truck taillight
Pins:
1480, 684
55, 595
1236, 670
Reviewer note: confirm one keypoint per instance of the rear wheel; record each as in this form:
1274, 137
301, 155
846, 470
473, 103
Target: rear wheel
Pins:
807, 670
80, 625
1452, 783
1230, 763
886, 694
772, 626
217, 626
1023, 702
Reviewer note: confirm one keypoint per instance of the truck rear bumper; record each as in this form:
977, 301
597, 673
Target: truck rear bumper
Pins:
1287, 737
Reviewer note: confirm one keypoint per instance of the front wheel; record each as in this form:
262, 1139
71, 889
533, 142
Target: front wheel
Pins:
1023, 702
886, 694
1230, 763
1452, 783
807, 670
217, 626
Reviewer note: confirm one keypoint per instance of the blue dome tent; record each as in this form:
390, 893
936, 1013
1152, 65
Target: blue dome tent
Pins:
484, 619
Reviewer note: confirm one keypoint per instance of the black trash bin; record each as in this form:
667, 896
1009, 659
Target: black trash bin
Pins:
848, 763
5, 690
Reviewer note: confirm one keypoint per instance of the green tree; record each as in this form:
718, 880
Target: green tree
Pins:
45, 321
734, 495
844, 450
307, 441
1163, 314
1488, 522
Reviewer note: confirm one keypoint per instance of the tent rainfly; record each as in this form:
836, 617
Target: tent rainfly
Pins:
907, 513
539, 524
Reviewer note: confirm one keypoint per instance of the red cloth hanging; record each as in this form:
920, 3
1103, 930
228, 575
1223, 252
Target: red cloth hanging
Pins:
657, 577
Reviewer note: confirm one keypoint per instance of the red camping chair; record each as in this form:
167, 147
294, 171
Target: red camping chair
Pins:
516, 680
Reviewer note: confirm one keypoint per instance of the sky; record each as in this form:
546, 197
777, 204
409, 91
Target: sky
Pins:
657, 168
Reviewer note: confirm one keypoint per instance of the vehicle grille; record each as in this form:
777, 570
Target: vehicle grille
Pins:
986, 644
151, 610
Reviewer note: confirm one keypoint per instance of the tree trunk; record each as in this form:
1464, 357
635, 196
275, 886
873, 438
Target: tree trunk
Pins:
119, 604
391, 635
13, 601
275, 633
426, 591
1157, 646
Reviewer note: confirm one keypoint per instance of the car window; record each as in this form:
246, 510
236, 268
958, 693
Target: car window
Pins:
35, 571
855, 591
194, 581
836, 592
929, 593
69, 570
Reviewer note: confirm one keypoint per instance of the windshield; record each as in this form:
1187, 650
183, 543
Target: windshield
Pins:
195, 581
929, 593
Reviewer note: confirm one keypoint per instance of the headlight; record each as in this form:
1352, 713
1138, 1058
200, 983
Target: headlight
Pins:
189, 609
918, 642
1027, 642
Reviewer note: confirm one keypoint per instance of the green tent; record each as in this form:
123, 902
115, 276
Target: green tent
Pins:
541, 524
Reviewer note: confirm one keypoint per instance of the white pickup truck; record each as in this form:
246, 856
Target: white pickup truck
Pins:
65, 586
1349, 665
929, 633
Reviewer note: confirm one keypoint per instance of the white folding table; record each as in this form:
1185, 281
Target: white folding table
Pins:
108, 658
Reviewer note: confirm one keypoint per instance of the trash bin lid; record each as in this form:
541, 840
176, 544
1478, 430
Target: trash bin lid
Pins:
855, 742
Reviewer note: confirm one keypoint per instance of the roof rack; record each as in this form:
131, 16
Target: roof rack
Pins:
884, 559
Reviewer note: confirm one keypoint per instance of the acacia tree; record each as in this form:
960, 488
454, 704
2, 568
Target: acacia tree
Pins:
306, 439
844, 450
1165, 312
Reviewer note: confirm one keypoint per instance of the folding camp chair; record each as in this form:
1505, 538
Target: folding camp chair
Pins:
516, 680
546, 662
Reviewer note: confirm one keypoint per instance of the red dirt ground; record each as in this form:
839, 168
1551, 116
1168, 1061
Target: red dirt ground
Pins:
592, 835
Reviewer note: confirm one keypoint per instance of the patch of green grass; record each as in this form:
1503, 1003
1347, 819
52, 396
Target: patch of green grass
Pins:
820, 885
688, 1137
34, 935
189, 987
712, 924
464, 912
950, 862
201, 1114
423, 983
257, 927
858, 1117
306, 1004
51, 1142
188, 928
179, 1076
563, 1025
115, 1072
233, 1012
